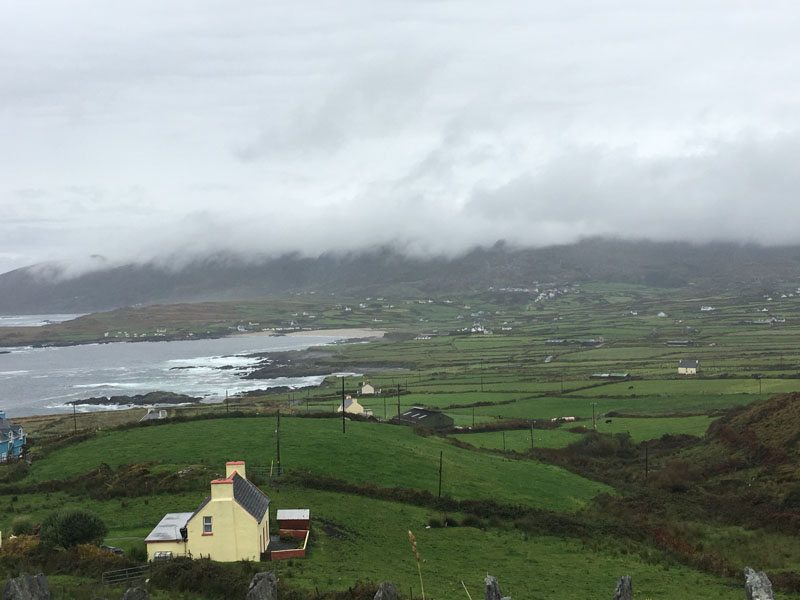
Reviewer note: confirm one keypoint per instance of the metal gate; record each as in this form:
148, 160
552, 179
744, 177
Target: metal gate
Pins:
125, 575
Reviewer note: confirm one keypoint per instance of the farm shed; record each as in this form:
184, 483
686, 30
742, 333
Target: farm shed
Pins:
296, 518
294, 524
423, 417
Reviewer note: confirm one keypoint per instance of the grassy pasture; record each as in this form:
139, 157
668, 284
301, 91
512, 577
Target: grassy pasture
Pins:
382, 454
693, 387
345, 525
641, 429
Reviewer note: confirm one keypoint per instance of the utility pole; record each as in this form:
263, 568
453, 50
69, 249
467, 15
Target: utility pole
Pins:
75, 418
278, 443
473, 416
594, 420
440, 473
384, 408
343, 422
227, 407
398, 401
531, 435
504, 440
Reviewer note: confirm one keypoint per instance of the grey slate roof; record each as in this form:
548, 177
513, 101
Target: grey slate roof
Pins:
419, 414
249, 497
7, 427
425, 418
689, 364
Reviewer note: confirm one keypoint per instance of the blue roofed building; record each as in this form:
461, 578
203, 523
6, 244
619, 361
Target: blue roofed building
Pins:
12, 439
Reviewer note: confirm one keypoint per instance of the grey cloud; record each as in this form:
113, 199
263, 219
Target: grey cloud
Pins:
736, 190
155, 131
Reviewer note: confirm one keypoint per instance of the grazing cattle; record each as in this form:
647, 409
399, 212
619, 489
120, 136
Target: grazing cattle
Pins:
608, 420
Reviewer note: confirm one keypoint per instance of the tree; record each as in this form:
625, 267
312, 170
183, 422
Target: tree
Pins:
70, 527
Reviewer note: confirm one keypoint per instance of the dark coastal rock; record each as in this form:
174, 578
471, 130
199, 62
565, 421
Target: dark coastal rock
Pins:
757, 585
493, 589
624, 589
386, 591
139, 399
27, 587
263, 586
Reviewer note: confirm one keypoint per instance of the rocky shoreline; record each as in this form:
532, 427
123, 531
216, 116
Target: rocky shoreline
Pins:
148, 399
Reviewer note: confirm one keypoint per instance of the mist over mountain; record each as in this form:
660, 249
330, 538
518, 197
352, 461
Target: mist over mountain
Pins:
385, 271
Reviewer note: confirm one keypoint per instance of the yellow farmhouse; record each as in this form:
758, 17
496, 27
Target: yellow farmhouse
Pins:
231, 524
351, 406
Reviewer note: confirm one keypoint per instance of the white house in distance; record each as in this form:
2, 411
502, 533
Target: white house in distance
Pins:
366, 389
688, 367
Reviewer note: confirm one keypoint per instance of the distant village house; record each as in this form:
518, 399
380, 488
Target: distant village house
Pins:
153, 415
367, 390
351, 406
688, 367
12, 439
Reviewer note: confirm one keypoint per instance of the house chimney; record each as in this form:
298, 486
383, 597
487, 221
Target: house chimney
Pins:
221, 489
235, 466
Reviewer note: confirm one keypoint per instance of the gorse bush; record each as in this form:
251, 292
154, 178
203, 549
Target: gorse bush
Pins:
70, 527
22, 525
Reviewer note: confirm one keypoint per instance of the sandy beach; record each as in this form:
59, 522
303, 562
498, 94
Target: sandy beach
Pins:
349, 334
345, 333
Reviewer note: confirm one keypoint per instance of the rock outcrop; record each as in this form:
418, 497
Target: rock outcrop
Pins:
624, 589
493, 589
386, 591
135, 593
263, 586
27, 587
757, 585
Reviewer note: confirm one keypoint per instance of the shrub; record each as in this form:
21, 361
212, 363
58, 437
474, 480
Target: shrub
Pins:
203, 576
472, 521
138, 553
22, 525
69, 527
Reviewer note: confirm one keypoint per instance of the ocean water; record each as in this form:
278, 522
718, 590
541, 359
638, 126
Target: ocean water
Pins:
42, 380
35, 320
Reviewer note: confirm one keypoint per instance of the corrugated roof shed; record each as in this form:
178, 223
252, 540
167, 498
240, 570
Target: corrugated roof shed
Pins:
168, 529
294, 514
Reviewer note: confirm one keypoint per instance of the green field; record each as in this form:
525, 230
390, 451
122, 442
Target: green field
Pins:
640, 429
368, 453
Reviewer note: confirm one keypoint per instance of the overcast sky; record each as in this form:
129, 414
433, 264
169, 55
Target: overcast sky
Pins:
141, 129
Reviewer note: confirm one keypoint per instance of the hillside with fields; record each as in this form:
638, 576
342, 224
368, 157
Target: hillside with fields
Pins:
575, 441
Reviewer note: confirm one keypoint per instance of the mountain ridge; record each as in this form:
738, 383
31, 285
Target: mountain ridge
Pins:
31, 290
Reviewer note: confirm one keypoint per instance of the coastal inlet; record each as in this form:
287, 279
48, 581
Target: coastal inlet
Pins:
36, 381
